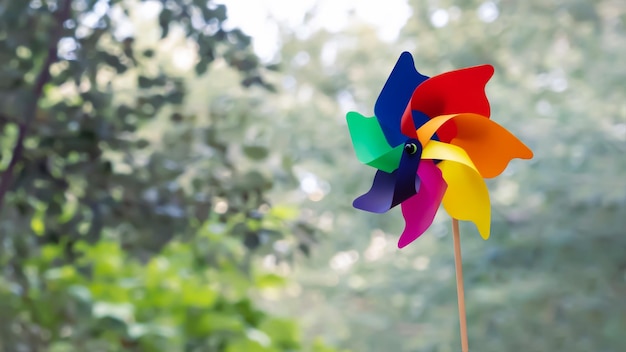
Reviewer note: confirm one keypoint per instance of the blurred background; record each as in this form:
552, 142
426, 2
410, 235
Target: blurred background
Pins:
178, 176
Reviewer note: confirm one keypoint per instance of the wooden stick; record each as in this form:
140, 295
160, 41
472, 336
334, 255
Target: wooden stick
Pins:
458, 263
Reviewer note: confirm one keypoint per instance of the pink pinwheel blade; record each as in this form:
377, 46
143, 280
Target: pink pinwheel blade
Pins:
419, 211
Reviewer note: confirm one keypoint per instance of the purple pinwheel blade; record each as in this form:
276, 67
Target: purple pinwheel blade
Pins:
419, 211
386, 192
379, 198
391, 189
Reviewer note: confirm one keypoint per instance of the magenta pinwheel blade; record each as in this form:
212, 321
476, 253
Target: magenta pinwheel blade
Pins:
419, 211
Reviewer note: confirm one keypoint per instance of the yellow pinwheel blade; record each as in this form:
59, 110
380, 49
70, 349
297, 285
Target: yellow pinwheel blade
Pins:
489, 145
443, 151
467, 197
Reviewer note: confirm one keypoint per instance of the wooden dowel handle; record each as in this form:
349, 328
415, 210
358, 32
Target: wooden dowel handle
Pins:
458, 263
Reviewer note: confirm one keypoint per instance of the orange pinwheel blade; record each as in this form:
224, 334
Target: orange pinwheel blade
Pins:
490, 146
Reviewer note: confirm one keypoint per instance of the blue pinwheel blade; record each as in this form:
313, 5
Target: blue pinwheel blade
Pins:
395, 96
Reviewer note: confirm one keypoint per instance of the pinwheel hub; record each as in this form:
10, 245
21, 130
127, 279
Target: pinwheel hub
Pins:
410, 148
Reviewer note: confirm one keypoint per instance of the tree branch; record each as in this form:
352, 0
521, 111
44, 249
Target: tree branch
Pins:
62, 15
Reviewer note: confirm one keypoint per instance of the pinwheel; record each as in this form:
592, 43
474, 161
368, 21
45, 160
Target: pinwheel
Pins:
432, 142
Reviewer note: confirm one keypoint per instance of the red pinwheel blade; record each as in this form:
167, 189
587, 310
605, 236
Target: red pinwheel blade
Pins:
454, 92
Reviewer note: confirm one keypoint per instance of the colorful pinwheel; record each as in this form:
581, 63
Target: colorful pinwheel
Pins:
433, 143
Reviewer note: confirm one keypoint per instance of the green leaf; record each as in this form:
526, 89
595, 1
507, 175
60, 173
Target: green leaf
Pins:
256, 152
37, 224
165, 17
61, 346
202, 66
283, 332
113, 61
270, 281
198, 296
66, 272
254, 180
259, 337
51, 252
144, 82
320, 346
215, 321
69, 209
219, 12
247, 346
284, 212
175, 97
80, 292
121, 311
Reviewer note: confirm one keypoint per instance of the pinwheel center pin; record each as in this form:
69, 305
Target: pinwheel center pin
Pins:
450, 145
410, 148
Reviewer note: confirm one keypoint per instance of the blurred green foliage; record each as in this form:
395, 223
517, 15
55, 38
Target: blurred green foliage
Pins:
192, 296
127, 224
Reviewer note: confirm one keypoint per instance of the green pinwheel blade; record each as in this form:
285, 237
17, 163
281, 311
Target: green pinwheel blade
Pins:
370, 144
